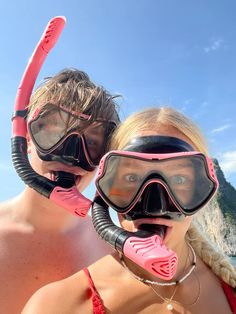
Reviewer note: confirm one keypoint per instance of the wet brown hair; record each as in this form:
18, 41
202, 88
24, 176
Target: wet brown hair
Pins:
73, 90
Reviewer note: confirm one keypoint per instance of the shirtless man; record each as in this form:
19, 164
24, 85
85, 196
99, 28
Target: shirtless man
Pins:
40, 241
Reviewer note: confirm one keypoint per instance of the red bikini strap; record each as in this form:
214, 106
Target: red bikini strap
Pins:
98, 307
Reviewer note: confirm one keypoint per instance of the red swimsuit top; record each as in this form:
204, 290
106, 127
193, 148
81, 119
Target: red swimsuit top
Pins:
230, 296
98, 307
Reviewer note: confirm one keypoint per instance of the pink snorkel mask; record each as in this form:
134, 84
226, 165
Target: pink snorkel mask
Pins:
155, 176
64, 195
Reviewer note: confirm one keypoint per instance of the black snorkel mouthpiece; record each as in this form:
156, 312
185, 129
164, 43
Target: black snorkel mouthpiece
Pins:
65, 179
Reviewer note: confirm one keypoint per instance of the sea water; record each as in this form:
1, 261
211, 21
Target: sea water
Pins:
233, 259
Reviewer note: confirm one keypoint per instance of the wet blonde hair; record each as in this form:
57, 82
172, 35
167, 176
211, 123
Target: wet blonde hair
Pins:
154, 120
217, 260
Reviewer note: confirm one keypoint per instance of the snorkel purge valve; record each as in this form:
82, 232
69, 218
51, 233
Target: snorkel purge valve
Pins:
68, 197
125, 182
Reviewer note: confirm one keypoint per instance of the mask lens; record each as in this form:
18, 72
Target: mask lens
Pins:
191, 185
53, 128
121, 181
185, 178
49, 128
96, 137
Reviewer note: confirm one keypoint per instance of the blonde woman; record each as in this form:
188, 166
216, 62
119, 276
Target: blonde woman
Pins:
157, 177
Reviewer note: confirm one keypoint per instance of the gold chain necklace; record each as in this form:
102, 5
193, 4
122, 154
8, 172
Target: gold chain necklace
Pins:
169, 301
157, 283
169, 304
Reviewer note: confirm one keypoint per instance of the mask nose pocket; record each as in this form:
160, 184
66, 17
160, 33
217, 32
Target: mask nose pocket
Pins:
71, 148
154, 199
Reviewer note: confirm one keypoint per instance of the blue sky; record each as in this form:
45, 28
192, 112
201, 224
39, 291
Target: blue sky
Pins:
178, 53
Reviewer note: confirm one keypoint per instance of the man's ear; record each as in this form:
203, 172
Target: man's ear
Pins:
28, 143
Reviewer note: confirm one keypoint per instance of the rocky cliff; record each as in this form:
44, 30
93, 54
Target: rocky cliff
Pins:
226, 196
219, 216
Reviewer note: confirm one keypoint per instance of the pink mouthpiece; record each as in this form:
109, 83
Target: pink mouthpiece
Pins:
71, 199
152, 255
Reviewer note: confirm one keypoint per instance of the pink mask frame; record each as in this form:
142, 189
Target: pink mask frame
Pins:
209, 168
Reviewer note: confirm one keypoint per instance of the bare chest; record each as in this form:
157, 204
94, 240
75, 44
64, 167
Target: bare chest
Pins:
209, 298
161, 307
29, 262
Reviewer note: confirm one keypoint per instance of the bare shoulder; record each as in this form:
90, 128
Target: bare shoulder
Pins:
47, 295
6, 208
9, 224
65, 296
6, 213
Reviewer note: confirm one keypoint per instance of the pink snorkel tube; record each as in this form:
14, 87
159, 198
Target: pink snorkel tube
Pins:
69, 198
142, 247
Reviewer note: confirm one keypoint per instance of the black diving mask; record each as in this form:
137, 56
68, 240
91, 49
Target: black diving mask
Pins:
68, 137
